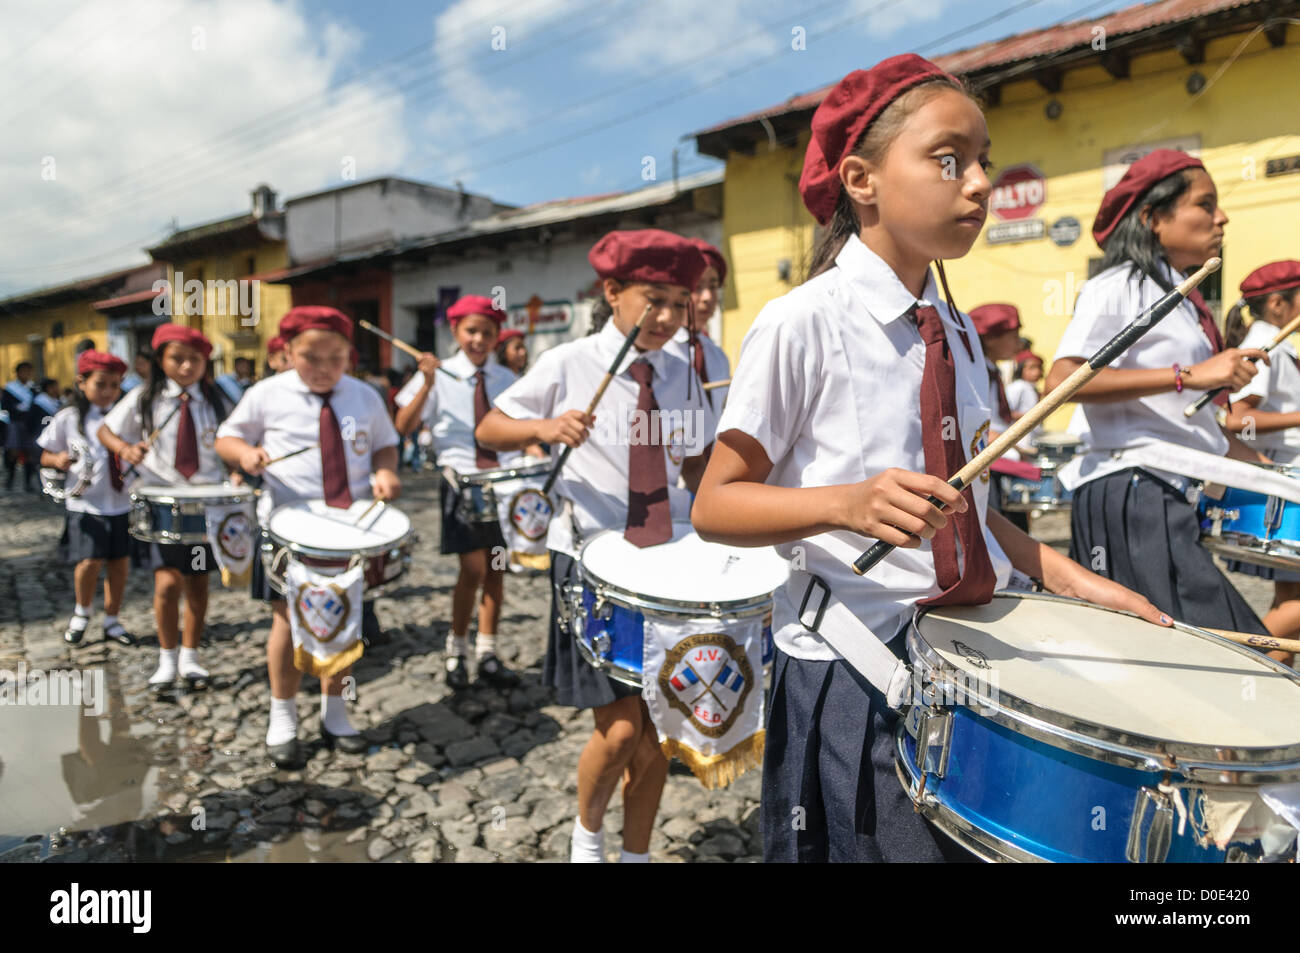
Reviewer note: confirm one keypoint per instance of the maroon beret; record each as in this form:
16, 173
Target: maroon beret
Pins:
166, 333
475, 304
712, 257
275, 345
650, 255
509, 334
844, 115
1139, 178
90, 361
314, 317
1025, 356
1275, 276
992, 318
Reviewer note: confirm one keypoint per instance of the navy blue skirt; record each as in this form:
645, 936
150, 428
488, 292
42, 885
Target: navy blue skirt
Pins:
1136, 529
94, 536
182, 557
576, 681
461, 537
830, 789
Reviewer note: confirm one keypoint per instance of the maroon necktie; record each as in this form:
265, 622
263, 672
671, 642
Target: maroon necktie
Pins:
1004, 405
334, 464
697, 358
187, 441
1211, 331
484, 458
649, 515
943, 458
115, 472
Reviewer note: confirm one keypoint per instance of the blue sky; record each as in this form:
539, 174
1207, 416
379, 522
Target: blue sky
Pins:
122, 120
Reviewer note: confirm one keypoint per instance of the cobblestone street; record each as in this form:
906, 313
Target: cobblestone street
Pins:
478, 776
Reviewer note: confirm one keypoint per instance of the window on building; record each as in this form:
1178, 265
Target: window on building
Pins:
426, 328
367, 344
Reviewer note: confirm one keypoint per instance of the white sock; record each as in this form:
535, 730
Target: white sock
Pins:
166, 673
80, 619
629, 858
109, 621
190, 667
485, 644
457, 644
587, 847
334, 716
284, 721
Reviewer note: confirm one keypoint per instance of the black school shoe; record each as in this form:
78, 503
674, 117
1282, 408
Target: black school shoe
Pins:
457, 671
348, 744
493, 671
74, 636
119, 635
286, 756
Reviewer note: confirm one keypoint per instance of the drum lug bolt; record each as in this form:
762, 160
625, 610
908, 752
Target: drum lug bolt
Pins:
600, 645
1153, 846
934, 741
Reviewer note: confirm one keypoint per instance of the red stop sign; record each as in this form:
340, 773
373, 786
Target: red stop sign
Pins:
1019, 192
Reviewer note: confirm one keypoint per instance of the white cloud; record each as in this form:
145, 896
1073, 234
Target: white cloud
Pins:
140, 109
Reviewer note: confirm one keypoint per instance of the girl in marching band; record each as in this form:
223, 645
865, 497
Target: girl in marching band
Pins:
836, 431
95, 531
180, 453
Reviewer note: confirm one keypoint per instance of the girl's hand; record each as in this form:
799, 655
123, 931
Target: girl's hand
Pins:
134, 453
428, 365
61, 461
1230, 368
1093, 588
254, 460
387, 485
572, 428
893, 507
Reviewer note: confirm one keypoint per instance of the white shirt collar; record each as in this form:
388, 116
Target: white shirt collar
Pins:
876, 286
172, 390
610, 339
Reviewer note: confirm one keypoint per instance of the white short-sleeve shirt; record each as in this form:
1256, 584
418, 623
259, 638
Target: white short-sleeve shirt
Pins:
829, 383
159, 466
281, 414
1107, 304
449, 409
63, 435
595, 478
1278, 386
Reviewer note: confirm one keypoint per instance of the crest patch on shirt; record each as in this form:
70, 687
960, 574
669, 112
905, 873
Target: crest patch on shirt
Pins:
977, 446
361, 442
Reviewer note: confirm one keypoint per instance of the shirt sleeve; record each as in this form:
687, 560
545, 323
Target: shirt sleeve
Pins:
770, 395
1261, 385
382, 432
1099, 314
54, 437
536, 395
246, 420
125, 420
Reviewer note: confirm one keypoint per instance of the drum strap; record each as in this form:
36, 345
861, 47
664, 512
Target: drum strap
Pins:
820, 612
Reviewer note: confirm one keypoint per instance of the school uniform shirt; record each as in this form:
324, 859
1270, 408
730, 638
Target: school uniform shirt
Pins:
449, 409
63, 435
234, 387
716, 365
1107, 304
1277, 385
159, 466
281, 414
829, 384
594, 480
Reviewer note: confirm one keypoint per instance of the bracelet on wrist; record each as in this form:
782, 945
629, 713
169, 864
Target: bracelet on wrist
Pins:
1178, 378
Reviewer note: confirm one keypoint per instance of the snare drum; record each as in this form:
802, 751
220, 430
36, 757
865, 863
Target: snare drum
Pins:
478, 489
178, 514
1046, 493
1056, 449
683, 579
330, 541
1252, 527
1048, 729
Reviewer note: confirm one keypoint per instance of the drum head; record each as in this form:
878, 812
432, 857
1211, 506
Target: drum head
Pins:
1103, 668
1054, 440
218, 492
313, 524
687, 569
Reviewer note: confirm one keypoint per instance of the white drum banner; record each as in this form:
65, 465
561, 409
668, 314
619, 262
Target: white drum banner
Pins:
703, 683
230, 533
324, 618
525, 515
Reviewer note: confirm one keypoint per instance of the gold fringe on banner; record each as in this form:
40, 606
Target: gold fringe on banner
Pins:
304, 661
538, 561
718, 770
232, 581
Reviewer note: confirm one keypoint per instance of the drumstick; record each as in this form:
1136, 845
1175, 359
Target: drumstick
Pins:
373, 503
1209, 395
154, 436
1067, 389
712, 384
1256, 641
292, 453
403, 346
600, 392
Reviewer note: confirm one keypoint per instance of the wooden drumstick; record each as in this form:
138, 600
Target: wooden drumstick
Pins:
292, 453
1266, 642
148, 444
1067, 389
600, 392
364, 513
1209, 395
712, 384
403, 346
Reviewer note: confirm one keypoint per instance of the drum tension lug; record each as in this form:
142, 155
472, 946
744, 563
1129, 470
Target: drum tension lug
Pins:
1153, 846
933, 742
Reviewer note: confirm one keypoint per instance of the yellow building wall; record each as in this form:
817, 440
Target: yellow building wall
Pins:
1247, 117
79, 321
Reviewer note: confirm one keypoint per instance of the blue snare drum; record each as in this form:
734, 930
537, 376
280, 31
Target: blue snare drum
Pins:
1252, 527
677, 581
1052, 730
1021, 494
178, 514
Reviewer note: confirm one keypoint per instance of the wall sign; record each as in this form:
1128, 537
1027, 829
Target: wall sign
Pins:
1007, 232
1065, 231
1018, 193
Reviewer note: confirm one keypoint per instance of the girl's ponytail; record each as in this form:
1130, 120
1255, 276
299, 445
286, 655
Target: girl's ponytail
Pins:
1234, 325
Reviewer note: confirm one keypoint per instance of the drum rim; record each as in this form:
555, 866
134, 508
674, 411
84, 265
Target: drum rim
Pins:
238, 494
267, 551
1103, 742
506, 473
1274, 553
403, 541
